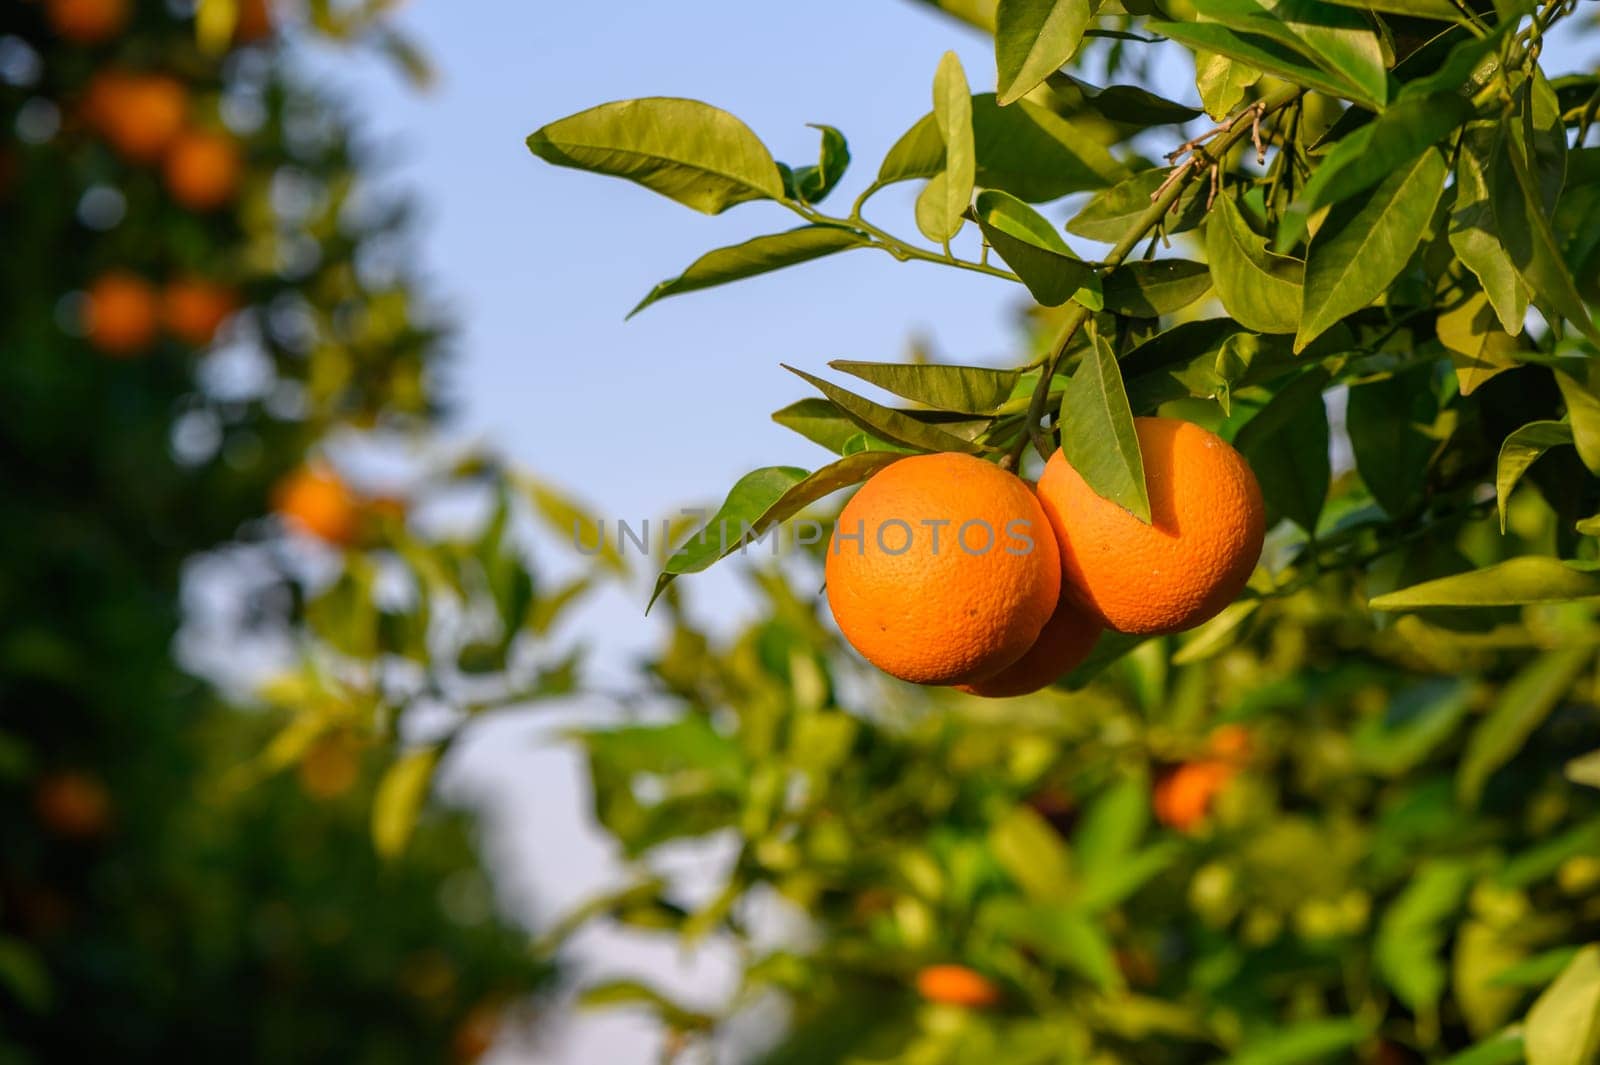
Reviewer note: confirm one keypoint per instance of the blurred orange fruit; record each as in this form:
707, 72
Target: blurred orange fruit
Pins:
88, 21
203, 169
73, 804
139, 115
193, 309
1063, 643
120, 313
1206, 531
1231, 744
475, 1035
942, 569
255, 22
1184, 796
956, 985
314, 501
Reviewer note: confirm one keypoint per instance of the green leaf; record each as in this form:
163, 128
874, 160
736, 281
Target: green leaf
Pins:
1097, 433
949, 192
1474, 232
1286, 444
893, 425
1111, 212
822, 423
1415, 721
1412, 932
1307, 1041
760, 500
615, 993
1519, 451
1024, 149
1221, 81
1439, 10
1254, 50
1364, 244
1502, 1049
813, 183
1536, 971
1514, 582
1032, 854
968, 389
1479, 348
1112, 827
1523, 704
1033, 39
1584, 769
684, 149
1217, 635
759, 255
1040, 256
1388, 422
398, 799
1339, 42
1260, 289
1583, 411
1128, 104
1563, 1027
1060, 935
1151, 288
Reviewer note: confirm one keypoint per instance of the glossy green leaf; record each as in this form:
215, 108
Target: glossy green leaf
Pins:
1388, 421
888, 423
1440, 10
759, 255
1130, 104
1563, 1027
398, 799
1338, 41
813, 183
1583, 411
1412, 932
1038, 254
684, 149
1307, 1041
1151, 288
1522, 705
1024, 149
1254, 51
1519, 451
1033, 39
1364, 244
1110, 213
1479, 348
1514, 582
1221, 81
819, 421
1286, 444
949, 193
1474, 230
968, 389
1097, 433
1260, 289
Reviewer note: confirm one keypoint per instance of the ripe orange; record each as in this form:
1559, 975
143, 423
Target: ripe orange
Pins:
1063, 643
193, 309
120, 313
73, 804
203, 170
138, 114
956, 985
87, 21
1184, 796
942, 569
314, 501
1207, 525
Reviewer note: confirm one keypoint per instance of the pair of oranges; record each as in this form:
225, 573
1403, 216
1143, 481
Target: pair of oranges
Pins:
145, 117
945, 569
123, 312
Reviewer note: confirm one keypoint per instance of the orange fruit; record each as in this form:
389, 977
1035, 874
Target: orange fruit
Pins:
1231, 744
120, 314
1193, 559
74, 804
88, 21
138, 114
956, 985
314, 501
193, 309
1063, 643
203, 169
942, 569
1184, 796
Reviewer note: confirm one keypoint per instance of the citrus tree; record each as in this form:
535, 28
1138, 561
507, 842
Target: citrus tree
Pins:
1318, 789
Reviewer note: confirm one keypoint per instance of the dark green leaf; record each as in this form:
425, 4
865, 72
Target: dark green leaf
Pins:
759, 255
1259, 288
1523, 704
968, 389
1151, 288
1097, 433
684, 149
1519, 451
1412, 932
1130, 104
1514, 582
1039, 255
1033, 39
813, 183
1388, 421
1286, 444
893, 425
1474, 232
1441, 10
1415, 721
821, 422
1307, 1041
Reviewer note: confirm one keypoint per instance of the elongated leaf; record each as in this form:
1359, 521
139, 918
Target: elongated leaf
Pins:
684, 149
1417, 719
1040, 256
399, 798
1583, 411
1441, 10
1286, 445
813, 183
1563, 1027
1308, 1041
1338, 41
1097, 433
819, 421
1523, 704
968, 389
1110, 213
1506, 1048
1413, 930
759, 255
952, 111
1474, 229
888, 423
1514, 582
1129, 104
1255, 51
1519, 451
1363, 245
566, 518
1479, 348
1024, 149
1032, 854
1584, 769
1388, 422
1033, 39
1259, 288
1217, 635
1149, 289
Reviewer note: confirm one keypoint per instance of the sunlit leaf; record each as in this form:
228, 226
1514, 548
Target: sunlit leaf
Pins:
970, 389
1514, 582
1519, 451
759, 255
1040, 256
399, 797
1522, 705
1033, 39
1097, 433
1259, 288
